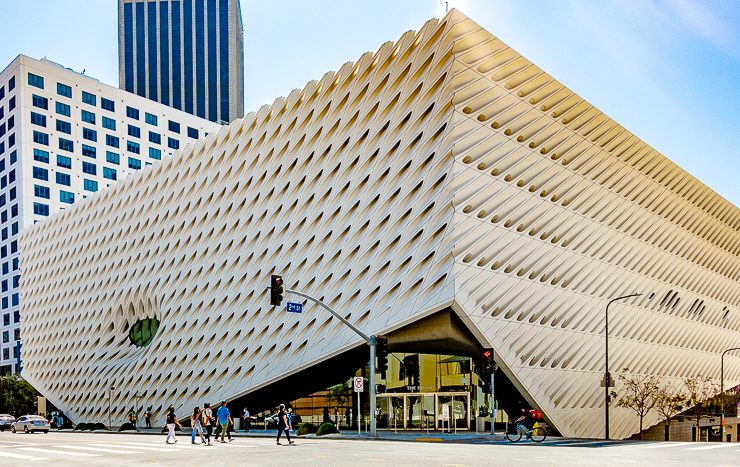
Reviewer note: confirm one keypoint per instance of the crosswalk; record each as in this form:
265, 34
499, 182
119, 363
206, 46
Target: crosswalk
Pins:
21, 453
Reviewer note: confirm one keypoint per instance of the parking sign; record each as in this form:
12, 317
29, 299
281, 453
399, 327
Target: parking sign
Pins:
359, 384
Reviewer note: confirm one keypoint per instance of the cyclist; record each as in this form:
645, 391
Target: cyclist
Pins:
528, 419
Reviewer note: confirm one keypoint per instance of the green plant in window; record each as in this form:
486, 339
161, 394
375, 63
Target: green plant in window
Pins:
143, 331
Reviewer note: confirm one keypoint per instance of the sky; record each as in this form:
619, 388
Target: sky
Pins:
666, 70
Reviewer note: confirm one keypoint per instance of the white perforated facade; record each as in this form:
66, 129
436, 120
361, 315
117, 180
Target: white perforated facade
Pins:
443, 170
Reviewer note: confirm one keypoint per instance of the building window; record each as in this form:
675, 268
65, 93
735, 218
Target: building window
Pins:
11, 176
41, 191
6, 316
40, 102
192, 133
14, 302
14, 231
66, 197
150, 119
40, 156
2, 149
107, 104
173, 143
13, 193
111, 141
2, 128
64, 179
155, 153
63, 109
11, 122
89, 134
14, 210
109, 123
89, 168
41, 209
134, 131
11, 83
11, 103
40, 138
2, 202
112, 157
36, 81
109, 173
64, 162
134, 163
132, 113
174, 127
14, 154
40, 173
66, 145
64, 90
13, 246
88, 117
11, 141
2, 92
89, 151
155, 138
88, 98
4, 216
64, 127
91, 185
38, 119
133, 147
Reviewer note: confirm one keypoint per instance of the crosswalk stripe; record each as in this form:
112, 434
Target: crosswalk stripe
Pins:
88, 448
137, 447
712, 446
55, 451
20, 456
663, 445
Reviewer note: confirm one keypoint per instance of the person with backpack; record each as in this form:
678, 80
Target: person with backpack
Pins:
207, 421
224, 419
283, 425
246, 420
132, 417
197, 427
171, 422
148, 417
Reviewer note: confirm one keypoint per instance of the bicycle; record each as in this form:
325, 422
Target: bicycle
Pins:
538, 433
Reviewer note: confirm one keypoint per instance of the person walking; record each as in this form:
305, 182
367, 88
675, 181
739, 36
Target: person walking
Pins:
207, 420
148, 417
283, 425
171, 422
224, 418
290, 418
246, 420
132, 417
196, 425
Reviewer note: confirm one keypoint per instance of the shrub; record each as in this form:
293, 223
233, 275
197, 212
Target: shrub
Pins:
97, 426
164, 430
127, 427
80, 426
305, 429
67, 425
326, 428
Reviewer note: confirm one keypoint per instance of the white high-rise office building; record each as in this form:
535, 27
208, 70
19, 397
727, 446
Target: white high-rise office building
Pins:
64, 136
188, 54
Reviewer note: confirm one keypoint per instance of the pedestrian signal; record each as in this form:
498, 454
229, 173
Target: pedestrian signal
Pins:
276, 290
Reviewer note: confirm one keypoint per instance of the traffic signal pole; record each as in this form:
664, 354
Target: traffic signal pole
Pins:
369, 339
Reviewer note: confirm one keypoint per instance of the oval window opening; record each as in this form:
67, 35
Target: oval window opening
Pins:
143, 331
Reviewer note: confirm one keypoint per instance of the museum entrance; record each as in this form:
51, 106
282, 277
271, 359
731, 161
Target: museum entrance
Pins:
448, 411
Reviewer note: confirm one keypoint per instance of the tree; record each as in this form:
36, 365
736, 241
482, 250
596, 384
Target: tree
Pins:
699, 391
16, 395
670, 401
339, 394
641, 394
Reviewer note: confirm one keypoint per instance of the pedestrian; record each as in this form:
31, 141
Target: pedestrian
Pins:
197, 427
336, 416
224, 418
327, 418
283, 424
290, 418
171, 422
148, 417
207, 420
132, 417
246, 420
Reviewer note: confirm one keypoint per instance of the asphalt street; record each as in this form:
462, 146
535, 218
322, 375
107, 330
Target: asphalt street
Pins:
98, 449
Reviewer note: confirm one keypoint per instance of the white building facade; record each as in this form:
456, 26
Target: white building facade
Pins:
63, 137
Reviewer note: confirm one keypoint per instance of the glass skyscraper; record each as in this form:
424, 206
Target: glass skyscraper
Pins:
188, 54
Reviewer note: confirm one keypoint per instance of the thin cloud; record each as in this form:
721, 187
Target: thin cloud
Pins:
708, 25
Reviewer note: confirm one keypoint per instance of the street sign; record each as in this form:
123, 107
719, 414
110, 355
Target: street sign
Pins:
607, 380
111, 392
295, 307
446, 413
359, 384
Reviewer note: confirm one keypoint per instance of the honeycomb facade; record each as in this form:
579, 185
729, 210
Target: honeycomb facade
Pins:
442, 171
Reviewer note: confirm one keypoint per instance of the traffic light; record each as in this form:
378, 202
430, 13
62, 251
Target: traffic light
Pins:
276, 290
486, 387
381, 348
486, 367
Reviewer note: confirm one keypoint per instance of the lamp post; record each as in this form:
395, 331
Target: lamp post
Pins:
722, 393
607, 376
136, 409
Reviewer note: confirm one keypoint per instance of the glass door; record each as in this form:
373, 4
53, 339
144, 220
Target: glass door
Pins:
382, 418
397, 412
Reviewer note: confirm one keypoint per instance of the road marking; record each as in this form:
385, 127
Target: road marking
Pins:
54, 451
21, 456
87, 448
458, 465
137, 447
379, 460
428, 439
663, 445
713, 446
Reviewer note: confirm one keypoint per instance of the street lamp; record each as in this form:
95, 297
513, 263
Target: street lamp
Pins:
722, 396
607, 377
136, 409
